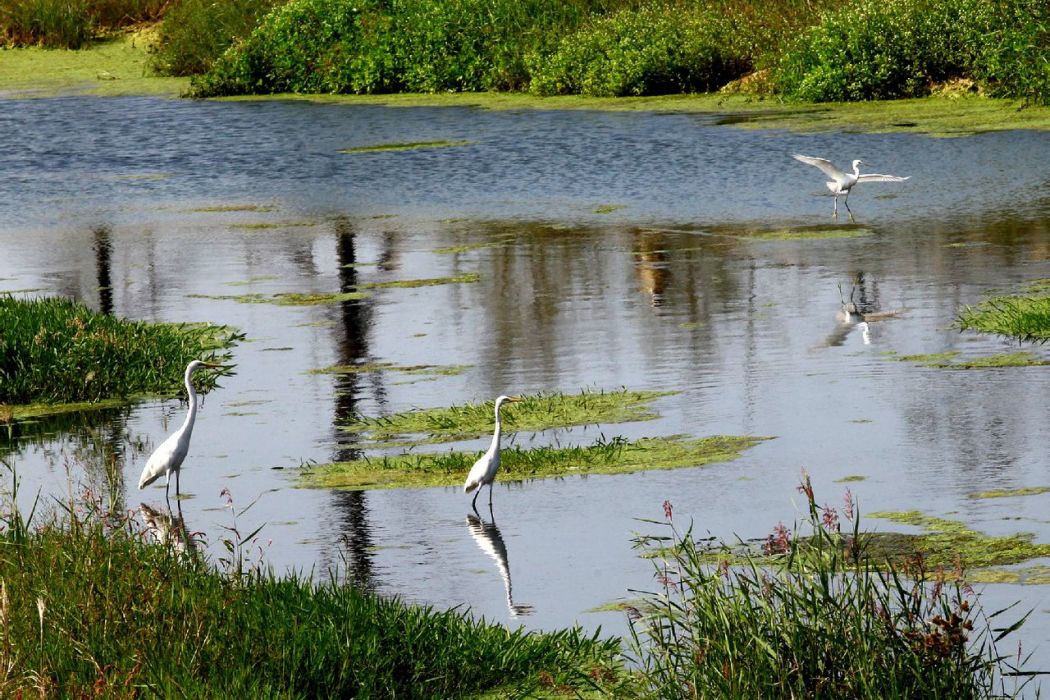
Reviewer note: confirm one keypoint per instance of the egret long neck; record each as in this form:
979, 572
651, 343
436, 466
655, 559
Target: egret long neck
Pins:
187, 425
495, 435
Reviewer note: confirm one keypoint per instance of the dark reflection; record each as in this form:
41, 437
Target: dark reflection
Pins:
488, 538
168, 529
651, 265
356, 320
17, 435
103, 255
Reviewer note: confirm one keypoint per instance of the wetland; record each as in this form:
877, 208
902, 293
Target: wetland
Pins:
706, 302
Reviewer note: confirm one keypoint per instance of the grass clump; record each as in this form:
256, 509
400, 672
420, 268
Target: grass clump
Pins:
950, 360
56, 350
615, 456
533, 412
70, 24
812, 617
196, 32
1010, 493
287, 298
91, 608
1023, 318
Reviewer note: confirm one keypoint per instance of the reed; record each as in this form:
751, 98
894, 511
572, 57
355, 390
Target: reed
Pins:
120, 616
814, 616
56, 350
69, 24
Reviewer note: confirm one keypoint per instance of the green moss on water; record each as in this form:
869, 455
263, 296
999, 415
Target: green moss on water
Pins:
1026, 576
948, 542
616, 456
38, 410
468, 247
850, 479
286, 298
407, 146
117, 66
534, 412
608, 208
465, 278
948, 360
232, 208
265, 225
1010, 493
365, 367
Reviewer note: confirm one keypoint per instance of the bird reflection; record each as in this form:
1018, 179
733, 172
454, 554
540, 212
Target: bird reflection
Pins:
858, 312
488, 537
651, 265
169, 530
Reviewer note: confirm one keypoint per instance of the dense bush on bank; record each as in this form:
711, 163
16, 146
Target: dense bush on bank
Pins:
874, 49
866, 49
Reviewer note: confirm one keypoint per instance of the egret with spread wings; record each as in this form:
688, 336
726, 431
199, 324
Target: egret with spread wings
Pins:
842, 183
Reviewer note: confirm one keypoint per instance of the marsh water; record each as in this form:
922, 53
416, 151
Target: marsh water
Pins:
647, 251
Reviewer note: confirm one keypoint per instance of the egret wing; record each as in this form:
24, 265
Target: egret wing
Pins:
162, 459
873, 177
477, 473
825, 166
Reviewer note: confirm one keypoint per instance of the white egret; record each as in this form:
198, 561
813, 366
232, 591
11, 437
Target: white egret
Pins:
484, 470
169, 456
842, 183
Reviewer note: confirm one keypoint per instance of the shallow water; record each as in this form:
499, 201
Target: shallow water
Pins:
122, 203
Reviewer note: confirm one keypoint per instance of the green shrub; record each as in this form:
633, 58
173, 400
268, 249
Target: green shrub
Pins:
655, 49
881, 49
196, 32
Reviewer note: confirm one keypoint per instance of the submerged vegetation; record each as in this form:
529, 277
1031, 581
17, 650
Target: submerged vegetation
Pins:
56, 350
615, 456
814, 616
533, 412
407, 146
90, 607
951, 360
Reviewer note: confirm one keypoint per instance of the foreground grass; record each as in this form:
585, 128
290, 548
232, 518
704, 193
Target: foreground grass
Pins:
534, 412
90, 609
56, 350
616, 456
1022, 317
813, 616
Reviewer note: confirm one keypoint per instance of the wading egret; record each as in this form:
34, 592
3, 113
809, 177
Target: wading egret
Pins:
842, 183
168, 457
484, 470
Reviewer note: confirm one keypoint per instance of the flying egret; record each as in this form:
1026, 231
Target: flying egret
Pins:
842, 183
484, 470
168, 457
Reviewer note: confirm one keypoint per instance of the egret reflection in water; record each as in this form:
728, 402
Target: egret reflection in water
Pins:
488, 538
168, 529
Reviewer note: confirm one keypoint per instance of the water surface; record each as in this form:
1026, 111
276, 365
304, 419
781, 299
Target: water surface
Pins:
618, 252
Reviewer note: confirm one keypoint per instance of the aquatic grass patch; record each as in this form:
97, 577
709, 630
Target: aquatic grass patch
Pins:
91, 606
813, 616
408, 146
56, 350
614, 456
532, 413
1024, 576
1025, 318
1010, 493
468, 247
286, 298
948, 543
951, 360
366, 367
465, 278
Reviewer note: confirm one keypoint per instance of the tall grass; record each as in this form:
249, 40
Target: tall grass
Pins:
196, 32
1019, 317
69, 24
89, 606
813, 617
57, 350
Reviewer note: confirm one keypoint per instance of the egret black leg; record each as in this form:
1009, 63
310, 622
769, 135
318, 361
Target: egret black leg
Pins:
846, 202
490, 495
474, 503
167, 488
